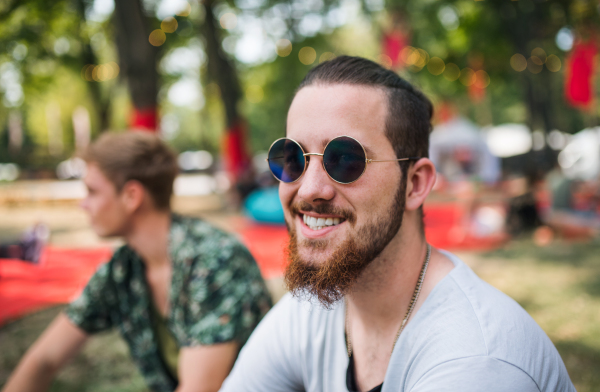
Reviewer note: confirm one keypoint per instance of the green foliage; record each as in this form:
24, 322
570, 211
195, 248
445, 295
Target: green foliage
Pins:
474, 34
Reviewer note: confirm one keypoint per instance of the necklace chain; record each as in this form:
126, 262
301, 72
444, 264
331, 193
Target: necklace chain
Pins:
413, 301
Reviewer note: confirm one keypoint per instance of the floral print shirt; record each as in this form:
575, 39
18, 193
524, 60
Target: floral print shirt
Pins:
217, 295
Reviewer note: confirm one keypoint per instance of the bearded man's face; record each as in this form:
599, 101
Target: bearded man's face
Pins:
359, 219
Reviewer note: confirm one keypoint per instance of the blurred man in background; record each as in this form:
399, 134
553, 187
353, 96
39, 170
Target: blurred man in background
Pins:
184, 295
402, 316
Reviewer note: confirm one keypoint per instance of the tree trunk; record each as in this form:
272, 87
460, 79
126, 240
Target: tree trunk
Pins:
138, 61
102, 104
221, 70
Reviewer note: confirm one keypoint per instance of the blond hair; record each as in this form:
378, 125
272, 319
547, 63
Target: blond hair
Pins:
137, 156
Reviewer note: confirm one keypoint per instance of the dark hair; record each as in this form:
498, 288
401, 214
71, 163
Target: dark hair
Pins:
408, 121
138, 156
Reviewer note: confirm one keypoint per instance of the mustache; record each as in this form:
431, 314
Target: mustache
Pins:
324, 208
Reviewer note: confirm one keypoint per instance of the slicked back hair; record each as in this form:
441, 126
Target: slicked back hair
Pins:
409, 111
408, 121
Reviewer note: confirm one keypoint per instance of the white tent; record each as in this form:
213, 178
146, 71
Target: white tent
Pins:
508, 140
461, 134
580, 159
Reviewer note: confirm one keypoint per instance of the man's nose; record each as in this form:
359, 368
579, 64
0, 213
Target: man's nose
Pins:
315, 183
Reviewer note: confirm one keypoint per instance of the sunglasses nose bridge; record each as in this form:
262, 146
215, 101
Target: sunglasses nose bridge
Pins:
315, 183
307, 156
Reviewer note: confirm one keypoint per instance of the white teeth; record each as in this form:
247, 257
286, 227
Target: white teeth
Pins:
319, 223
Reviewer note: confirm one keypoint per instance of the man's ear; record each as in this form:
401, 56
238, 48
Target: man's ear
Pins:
132, 195
420, 179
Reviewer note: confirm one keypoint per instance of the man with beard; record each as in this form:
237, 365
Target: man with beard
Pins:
372, 306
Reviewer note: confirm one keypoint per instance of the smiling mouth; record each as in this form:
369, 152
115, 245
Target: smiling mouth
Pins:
319, 223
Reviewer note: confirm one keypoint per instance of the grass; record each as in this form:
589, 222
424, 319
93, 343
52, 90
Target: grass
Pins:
104, 365
558, 285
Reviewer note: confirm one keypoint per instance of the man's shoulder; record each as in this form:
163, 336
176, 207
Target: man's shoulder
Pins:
493, 314
193, 237
184, 226
466, 317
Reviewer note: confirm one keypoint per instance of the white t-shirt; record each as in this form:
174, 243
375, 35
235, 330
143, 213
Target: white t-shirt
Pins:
467, 336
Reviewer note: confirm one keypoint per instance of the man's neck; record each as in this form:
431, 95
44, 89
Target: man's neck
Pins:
149, 237
380, 300
383, 292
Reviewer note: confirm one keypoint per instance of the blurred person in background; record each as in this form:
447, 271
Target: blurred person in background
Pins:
372, 306
29, 247
184, 295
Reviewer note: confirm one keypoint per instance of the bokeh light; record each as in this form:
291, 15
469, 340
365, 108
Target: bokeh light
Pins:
169, 24
565, 39
95, 75
307, 55
452, 72
518, 62
187, 9
385, 61
284, 47
423, 58
228, 21
100, 73
254, 93
157, 37
410, 55
116, 68
326, 56
414, 57
540, 54
482, 79
467, 77
85, 73
436, 66
536, 60
553, 63
534, 65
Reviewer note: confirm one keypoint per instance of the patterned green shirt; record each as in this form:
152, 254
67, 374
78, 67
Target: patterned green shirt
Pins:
217, 295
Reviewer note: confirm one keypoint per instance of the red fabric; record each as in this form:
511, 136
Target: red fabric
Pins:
235, 154
393, 43
267, 243
580, 72
60, 276
144, 119
63, 273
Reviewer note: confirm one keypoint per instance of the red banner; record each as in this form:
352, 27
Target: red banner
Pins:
579, 88
144, 120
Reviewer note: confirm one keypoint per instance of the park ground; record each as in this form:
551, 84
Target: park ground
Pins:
559, 285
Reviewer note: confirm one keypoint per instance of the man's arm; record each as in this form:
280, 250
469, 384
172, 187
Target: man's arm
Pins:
204, 368
60, 342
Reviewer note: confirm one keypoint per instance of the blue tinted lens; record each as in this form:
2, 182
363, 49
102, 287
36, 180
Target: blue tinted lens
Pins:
286, 160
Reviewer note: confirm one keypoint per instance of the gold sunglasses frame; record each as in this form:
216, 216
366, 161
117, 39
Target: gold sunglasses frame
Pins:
306, 161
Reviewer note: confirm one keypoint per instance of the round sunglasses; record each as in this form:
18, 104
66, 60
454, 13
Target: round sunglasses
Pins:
344, 159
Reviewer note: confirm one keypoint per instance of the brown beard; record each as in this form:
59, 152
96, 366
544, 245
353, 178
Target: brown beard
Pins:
330, 280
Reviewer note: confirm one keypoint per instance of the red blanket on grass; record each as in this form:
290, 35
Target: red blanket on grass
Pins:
62, 273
